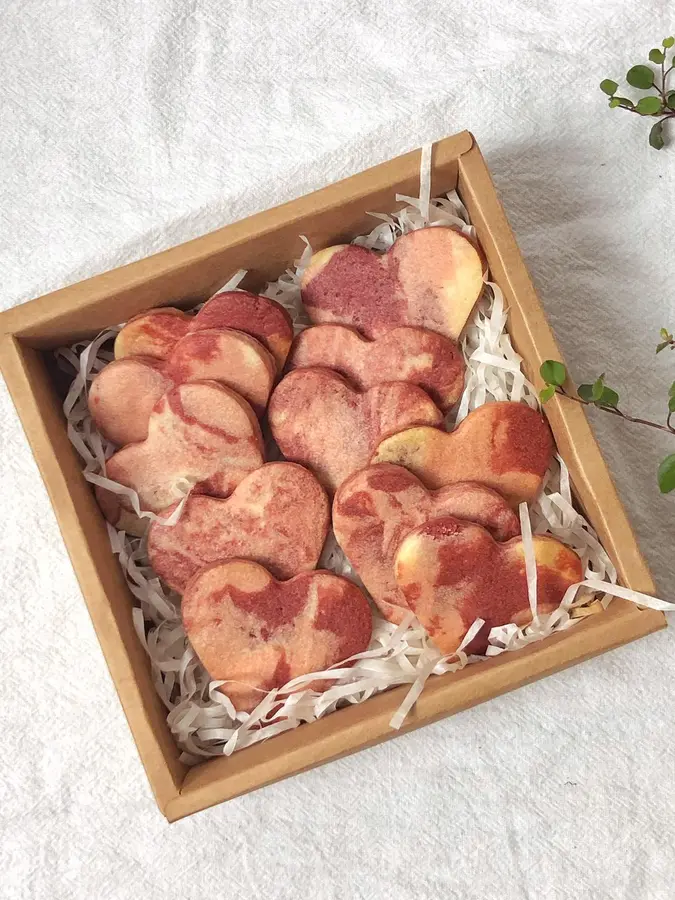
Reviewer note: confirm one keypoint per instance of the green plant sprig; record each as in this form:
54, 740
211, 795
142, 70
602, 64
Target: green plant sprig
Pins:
660, 104
667, 340
603, 397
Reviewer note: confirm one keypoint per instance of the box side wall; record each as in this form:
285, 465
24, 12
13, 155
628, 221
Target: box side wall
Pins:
533, 339
103, 587
367, 724
265, 244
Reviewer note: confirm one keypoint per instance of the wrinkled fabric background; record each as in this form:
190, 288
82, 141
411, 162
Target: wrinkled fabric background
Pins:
128, 127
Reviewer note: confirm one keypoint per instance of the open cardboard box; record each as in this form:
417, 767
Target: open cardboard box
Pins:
265, 244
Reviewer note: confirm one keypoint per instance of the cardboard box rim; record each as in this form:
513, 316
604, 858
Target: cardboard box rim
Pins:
264, 244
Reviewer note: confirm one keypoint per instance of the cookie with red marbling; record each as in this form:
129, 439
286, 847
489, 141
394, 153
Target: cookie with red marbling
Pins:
415, 355
261, 317
202, 433
152, 333
277, 516
453, 572
431, 277
376, 507
320, 421
155, 332
506, 446
257, 633
230, 357
123, 394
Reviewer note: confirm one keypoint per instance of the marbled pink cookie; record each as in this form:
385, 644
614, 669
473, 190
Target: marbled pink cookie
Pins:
415, 355
152, 333
261, 317
376, 507
431, 277
318, 420
452, 573
506, 446
256, 633
124, 393
277, 516
156, 331
230, 357
202, 433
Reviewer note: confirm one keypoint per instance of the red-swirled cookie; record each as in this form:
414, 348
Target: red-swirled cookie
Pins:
155, 332
261, 317
201, 433
376, 507
318, 420
431, 277
506, 446
257, 633
416, 355
124, 393
277, 516
230, 357
452, 573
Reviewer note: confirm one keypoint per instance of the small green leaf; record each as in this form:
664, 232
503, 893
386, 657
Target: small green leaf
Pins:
656, 136
608, 398
670, 99
640, 77
622, 101
671, 404
553, 372
668, 42
613, 103
671, 390
648, 106
661, 346
546, 393
666, 474
657, 56
585, 391
664, 334
598, 388
609, 87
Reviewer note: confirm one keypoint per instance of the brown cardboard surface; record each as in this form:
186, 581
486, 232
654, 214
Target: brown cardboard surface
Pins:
265, 244
533, 339
98, 572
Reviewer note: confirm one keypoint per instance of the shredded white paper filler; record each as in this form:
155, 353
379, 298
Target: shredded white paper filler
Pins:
202, 718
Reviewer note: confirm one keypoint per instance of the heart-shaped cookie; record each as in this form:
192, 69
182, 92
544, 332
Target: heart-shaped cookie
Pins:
261, 317
416, 355
155, 332
452, 573
201, 433
431, 277
376, 507
319, 420
256, 633
277, 516
506, 446
124, 393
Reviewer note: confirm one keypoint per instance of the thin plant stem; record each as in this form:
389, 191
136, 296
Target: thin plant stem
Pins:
617, 412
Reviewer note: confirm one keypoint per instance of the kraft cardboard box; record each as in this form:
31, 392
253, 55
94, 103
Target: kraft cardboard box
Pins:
265, 244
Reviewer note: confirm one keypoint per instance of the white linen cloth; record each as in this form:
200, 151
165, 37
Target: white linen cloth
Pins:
128, 127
